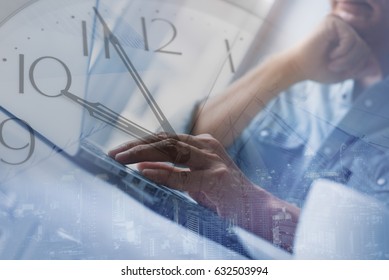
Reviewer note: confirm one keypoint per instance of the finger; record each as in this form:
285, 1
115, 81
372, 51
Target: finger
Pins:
203, 141
346, 38
198, 141
203, 200
159, 177
346, 44
190, 181
364, 68
207, 142
131, 144
159, 165
355, 71
349, 60
169, 150
152, 139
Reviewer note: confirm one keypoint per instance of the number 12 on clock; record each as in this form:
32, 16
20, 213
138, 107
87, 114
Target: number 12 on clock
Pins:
148, 29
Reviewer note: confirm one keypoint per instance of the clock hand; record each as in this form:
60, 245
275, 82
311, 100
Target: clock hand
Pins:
96, 110
166, 126
103, 113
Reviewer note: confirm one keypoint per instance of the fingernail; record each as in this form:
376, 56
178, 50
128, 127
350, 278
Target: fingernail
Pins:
145, 172
150, 174
121, 157
112, 153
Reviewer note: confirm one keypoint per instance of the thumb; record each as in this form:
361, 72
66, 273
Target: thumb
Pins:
203, 200
343, 38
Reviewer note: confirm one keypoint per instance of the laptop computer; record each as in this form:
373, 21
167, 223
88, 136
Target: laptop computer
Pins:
75, 142
171, 204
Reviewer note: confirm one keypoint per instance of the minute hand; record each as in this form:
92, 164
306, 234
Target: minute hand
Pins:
166, 126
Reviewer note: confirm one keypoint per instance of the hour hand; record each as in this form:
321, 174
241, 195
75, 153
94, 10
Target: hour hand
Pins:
103, 113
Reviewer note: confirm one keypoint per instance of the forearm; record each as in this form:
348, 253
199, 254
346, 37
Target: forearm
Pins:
226, 115
333, 53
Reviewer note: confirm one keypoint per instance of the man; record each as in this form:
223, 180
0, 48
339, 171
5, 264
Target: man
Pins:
283, 134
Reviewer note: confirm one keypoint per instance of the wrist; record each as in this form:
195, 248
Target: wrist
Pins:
279, 72
292, 69
253, 210
268, 217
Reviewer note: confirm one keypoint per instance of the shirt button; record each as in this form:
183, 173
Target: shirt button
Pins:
264, 133
381, 181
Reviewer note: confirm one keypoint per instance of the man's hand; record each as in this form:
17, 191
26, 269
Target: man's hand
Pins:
333, 53
209, 175
205, 170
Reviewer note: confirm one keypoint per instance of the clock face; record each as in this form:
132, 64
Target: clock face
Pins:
110, 70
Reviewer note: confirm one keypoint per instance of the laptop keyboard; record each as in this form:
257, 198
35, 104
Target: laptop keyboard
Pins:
148, 191
14, 232
172, 204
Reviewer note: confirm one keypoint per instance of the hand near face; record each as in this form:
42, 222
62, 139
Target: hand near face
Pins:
333, 53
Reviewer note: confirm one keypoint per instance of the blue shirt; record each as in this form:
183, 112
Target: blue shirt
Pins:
317, 131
